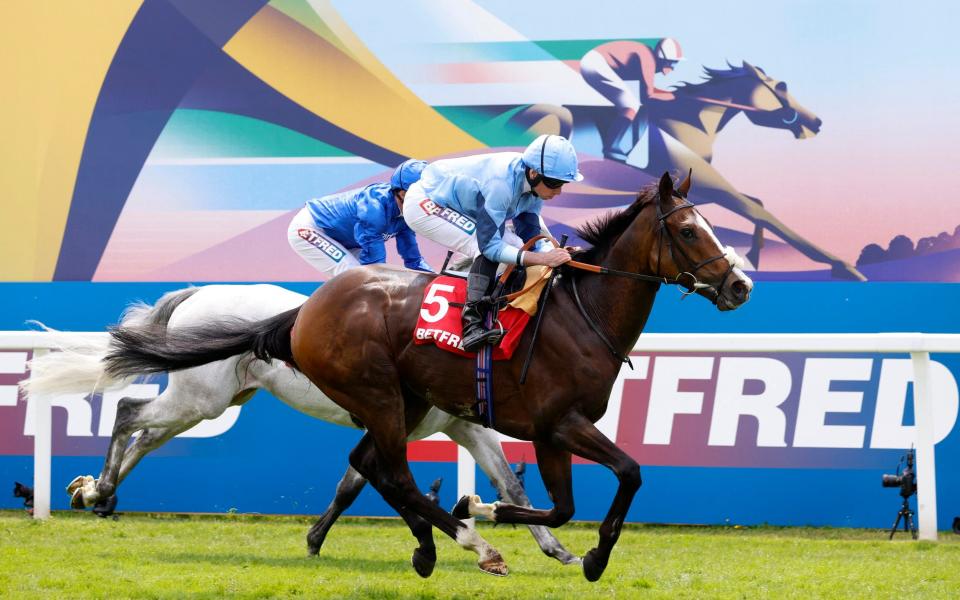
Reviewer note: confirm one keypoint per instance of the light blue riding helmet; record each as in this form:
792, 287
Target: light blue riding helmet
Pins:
407, 174
553, 156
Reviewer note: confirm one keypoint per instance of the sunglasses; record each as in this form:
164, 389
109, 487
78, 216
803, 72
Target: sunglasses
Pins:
553, 184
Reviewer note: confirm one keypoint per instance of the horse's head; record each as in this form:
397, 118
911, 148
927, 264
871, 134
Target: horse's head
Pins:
689, 252
773, 106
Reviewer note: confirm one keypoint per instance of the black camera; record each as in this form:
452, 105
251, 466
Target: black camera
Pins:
906, 480
906, 477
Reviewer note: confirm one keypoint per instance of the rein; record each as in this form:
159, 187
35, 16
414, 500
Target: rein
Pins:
662, 232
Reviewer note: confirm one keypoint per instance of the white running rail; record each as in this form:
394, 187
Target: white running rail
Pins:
917, 345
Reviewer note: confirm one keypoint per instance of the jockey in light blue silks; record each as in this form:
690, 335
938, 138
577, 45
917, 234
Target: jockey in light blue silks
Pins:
341, 231
464, 204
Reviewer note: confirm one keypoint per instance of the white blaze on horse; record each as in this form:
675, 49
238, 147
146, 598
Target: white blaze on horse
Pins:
205, 392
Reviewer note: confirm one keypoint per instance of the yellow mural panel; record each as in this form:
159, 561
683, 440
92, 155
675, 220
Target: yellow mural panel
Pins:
56, 55
364, 99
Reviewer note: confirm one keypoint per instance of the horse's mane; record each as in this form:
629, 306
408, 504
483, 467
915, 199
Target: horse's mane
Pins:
731, 72
604, 230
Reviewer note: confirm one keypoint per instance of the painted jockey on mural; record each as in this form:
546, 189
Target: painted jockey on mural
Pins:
655, 130
339, 232
464, 204
607, 69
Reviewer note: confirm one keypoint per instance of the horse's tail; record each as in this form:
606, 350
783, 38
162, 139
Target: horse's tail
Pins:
147, 348
77, 366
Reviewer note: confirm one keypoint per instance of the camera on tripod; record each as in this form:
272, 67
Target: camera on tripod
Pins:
906, 480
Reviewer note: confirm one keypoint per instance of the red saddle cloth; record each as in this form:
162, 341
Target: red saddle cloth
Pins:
439, 321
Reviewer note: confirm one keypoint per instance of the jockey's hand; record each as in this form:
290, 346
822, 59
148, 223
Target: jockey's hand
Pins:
553, 258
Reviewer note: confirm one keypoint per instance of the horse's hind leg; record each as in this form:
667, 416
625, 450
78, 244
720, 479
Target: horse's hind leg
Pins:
347, 491
363, 458
395, 483
484, 446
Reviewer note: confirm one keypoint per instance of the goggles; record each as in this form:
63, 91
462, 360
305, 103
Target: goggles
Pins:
553, 184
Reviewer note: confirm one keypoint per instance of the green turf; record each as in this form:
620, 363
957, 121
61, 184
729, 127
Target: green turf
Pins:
142, 556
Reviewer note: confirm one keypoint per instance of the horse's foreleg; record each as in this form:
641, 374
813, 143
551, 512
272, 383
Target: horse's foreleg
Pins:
582, 438
148, 441
347, 491
756, 244
554, 465
485, 448
129, 420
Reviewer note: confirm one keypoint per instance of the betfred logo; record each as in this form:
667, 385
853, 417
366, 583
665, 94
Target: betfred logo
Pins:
82, 424
448, 214
784, 410
328, 247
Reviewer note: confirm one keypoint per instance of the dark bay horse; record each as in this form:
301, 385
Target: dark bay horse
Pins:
353, 339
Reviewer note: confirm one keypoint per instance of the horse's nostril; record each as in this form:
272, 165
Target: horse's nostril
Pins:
740, 290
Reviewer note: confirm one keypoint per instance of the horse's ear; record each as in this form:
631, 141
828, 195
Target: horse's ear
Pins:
684, 187
666, 189
666, 186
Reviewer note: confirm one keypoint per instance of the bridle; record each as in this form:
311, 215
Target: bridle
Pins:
662, 232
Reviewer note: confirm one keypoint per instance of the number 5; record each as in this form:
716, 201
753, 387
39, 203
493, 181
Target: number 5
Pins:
433, 298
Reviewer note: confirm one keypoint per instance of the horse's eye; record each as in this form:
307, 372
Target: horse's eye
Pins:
782, 87
687, 233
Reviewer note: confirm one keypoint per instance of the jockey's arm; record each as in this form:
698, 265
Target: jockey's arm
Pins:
493, 204
648, 89
410, 251
528, 225
371, 223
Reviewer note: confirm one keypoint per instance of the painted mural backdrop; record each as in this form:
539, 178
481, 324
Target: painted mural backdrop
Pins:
146, 144
199, 129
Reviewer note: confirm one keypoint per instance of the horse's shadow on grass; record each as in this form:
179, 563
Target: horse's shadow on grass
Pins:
303, 562
293, 561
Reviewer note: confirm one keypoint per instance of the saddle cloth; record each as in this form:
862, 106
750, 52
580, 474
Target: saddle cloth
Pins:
439, 321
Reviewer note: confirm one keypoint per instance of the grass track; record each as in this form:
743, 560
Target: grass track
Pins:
144, 556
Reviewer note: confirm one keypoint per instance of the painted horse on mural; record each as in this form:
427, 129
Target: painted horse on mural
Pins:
207, 391
679, 135
354, 339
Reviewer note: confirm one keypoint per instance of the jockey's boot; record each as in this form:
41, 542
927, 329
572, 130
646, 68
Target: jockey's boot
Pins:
475, 334
619, 139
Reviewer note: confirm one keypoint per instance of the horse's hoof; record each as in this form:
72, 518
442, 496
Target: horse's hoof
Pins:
314, 543
424, 561
105, 509
76, 500
568, 559
493, 565
462, 509
842, 270
593, 566
76, 484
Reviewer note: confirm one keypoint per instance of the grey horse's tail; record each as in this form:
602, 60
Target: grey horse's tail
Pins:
143, 348
141, 313
78, 367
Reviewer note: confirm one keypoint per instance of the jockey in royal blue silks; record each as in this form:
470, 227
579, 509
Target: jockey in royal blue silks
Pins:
465, 203
341, 231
